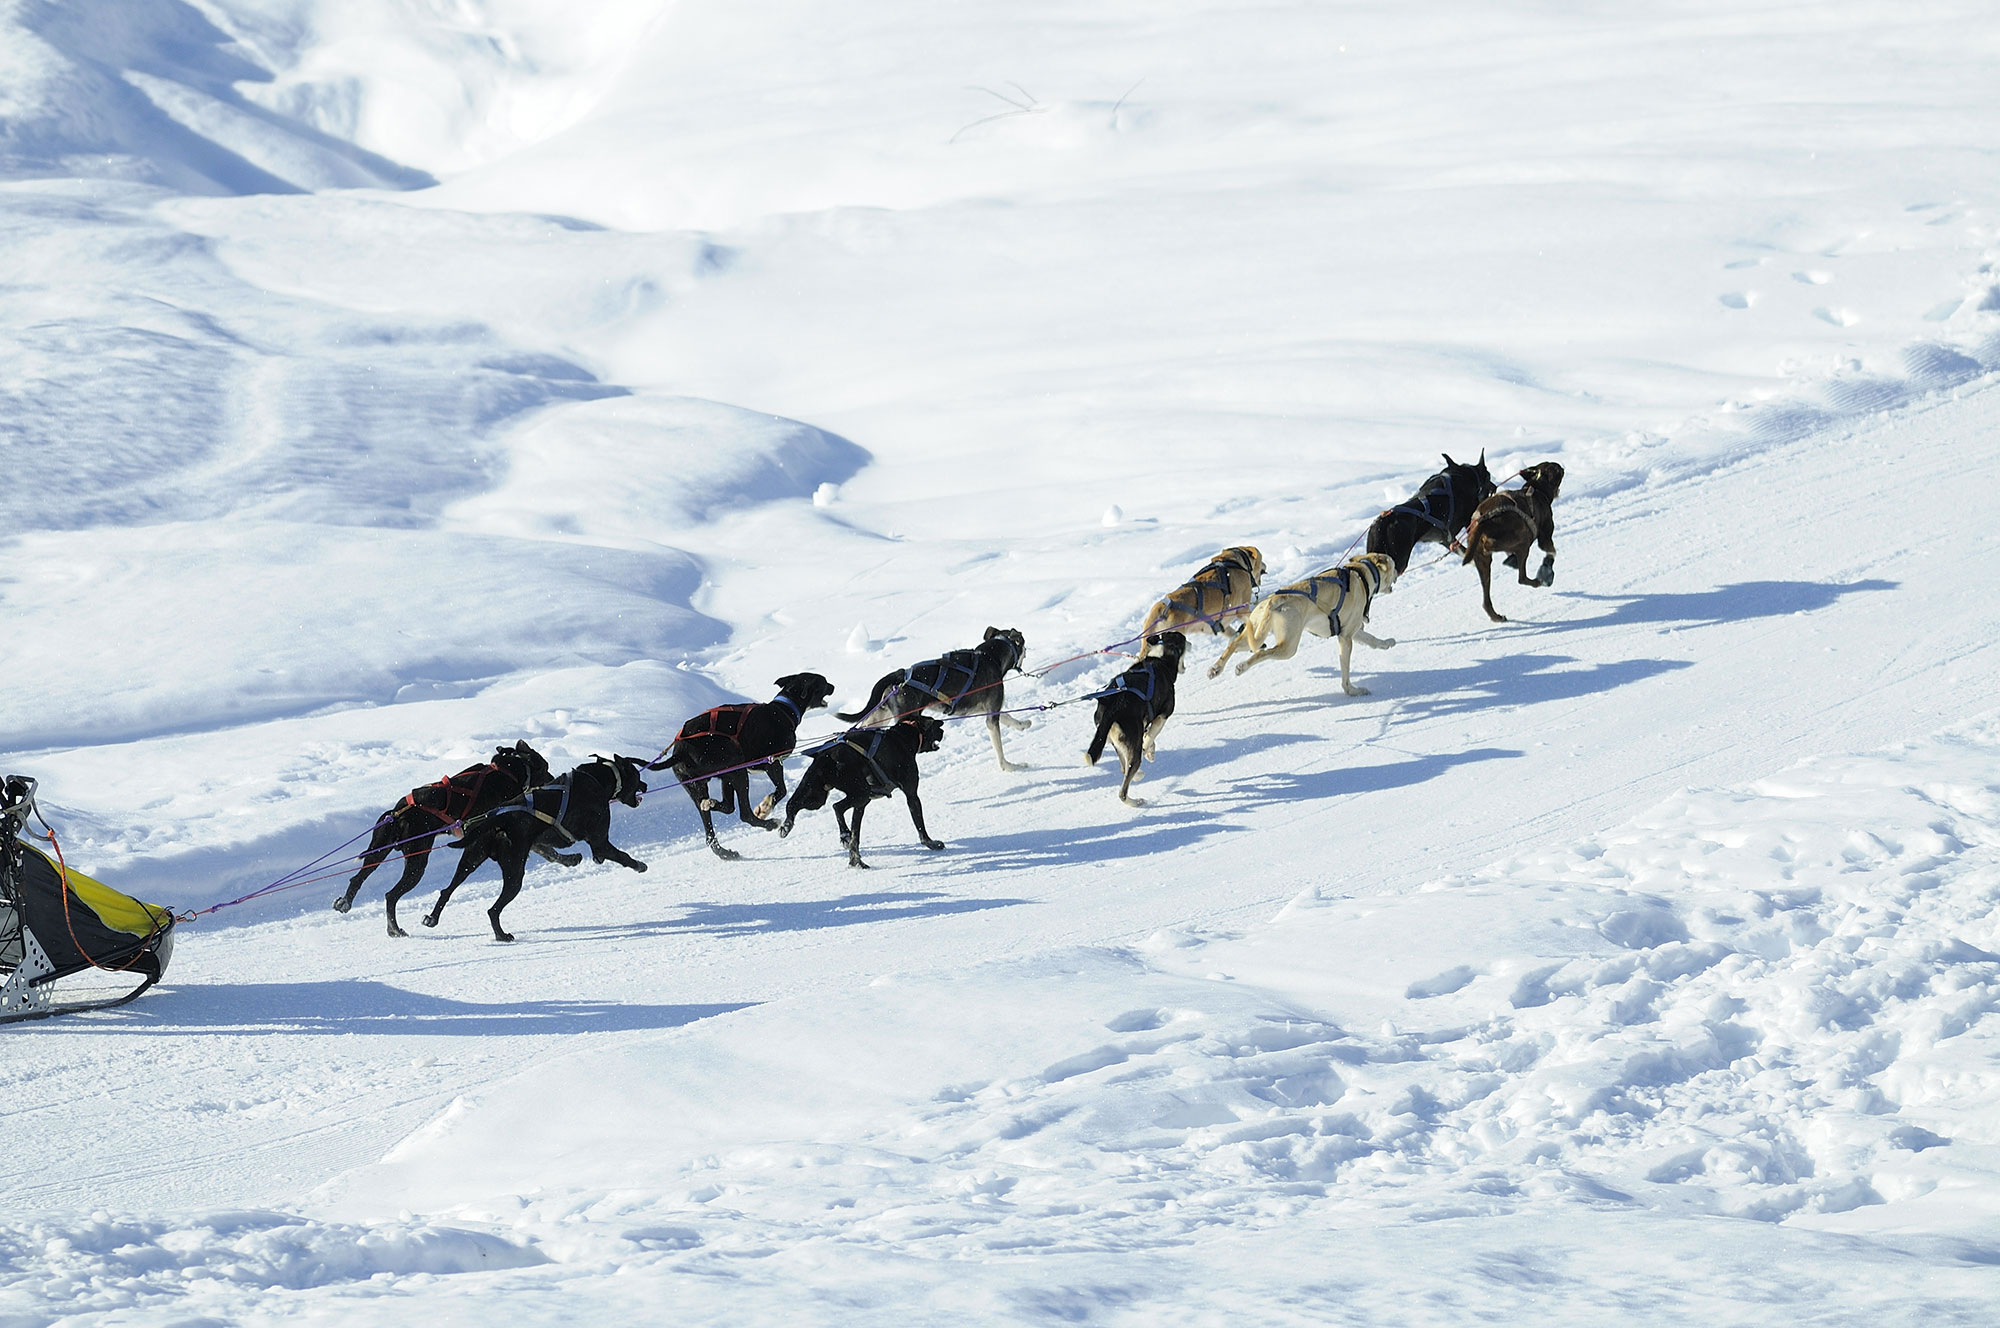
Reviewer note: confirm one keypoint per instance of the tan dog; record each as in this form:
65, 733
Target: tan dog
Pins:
1340, 594
1211, 597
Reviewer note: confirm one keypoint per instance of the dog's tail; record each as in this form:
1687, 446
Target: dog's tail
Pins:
1096, 748
875, 697
1471, 534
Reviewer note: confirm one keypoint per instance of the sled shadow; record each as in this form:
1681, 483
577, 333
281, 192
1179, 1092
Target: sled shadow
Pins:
1741, 602
376, 1007
761, 919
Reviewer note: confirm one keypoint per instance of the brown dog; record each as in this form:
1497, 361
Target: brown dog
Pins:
1512, 521
1218, 594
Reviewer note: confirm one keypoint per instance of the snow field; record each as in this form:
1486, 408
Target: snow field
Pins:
1629, 962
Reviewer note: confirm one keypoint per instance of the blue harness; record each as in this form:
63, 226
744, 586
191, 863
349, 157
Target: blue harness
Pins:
1142, 683
1432, 487
1338, 576
865, 743
953, 677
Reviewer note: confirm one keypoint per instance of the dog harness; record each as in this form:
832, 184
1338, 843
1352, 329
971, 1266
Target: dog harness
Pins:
1142, 682
1219, 565
1432, 487
560, 784
1338, 575
460, 797
867, 744
527, 804
947, 679
726, 722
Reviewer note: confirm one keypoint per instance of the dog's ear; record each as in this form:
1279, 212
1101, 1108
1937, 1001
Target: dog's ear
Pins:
1482, 458
1447, 460
991, 632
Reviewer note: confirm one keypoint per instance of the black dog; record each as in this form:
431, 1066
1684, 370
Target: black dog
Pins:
1435, 513
963, 682
862, 765
574, 809
1512, 522
413, 824
1136, 706
730, 741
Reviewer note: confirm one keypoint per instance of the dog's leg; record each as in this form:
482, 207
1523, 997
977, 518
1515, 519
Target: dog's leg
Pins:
853, 836
1522, 576
776, 772
705, 806
917, 818
1128, 761
1483, 557
416, 856
547, 853
1240, 641
840, 810
384, 840
510, 885
993, 732
1546, 577
468, 862
1347, 683
1152, 735
603, 850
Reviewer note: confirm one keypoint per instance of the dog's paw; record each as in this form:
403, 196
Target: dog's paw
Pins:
1388, 643
398, 932
1354, 690
784, 829
708, 804
506, 936
856, 862
430, 919
342, 903
933, 843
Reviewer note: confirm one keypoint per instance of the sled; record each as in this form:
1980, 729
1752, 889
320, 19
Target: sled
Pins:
58, 924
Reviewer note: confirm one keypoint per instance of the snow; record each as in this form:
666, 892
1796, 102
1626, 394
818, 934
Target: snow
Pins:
389, 381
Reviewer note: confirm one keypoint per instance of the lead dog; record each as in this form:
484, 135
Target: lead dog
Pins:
574, 809
1333, 602
862, 765
1436, 512
728, 742
1219, 592
1136, 706
961, 682
1513, 521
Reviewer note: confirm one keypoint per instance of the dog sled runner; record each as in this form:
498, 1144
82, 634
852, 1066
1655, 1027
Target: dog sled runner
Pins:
57, 924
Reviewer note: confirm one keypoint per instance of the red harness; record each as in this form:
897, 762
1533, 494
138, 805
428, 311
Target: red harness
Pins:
461, 793
724, 722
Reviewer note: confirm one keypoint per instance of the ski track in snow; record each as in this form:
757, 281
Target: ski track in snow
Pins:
1633, 958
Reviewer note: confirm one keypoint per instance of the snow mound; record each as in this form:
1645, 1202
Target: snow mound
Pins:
151, 93
645, 468
105, 1263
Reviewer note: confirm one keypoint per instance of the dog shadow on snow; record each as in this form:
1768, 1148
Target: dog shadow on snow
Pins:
1740, 602
757, 919
1503, 680
376, 1007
